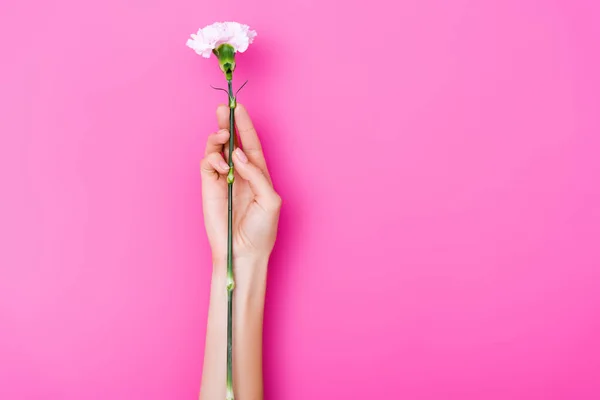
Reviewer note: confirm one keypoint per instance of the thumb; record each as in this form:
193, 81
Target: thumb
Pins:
260, 185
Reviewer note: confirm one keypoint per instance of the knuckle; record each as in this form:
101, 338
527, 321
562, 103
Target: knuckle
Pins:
210, 159
248, 131
204, 165
222, 136
214, 157
275, 202
211, 138
205, 162
217, 137
254, 151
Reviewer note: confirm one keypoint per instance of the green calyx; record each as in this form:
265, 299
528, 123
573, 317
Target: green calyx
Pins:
226, 55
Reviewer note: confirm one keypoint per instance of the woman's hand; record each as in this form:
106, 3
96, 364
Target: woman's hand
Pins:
256, 205
256, 208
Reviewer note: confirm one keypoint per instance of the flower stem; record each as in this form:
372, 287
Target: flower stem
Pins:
230, 279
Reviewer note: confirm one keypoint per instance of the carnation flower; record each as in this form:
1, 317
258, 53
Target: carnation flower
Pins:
209, 38
224, 39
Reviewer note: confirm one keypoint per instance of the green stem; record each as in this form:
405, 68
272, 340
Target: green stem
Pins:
230, 279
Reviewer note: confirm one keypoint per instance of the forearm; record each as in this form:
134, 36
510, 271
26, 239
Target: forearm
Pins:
248, 309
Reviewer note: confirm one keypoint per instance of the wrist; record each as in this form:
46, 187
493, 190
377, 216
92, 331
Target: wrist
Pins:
219, 260
249, 275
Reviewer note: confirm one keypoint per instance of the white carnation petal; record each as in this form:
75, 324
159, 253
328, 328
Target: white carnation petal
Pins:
237, 35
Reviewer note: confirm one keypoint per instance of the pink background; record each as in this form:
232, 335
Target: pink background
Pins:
438, 162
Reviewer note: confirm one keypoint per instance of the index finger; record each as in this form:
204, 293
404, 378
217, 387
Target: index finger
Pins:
249, 138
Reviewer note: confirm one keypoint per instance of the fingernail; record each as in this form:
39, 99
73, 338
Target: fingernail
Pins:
223, 132
223, 165
240, 154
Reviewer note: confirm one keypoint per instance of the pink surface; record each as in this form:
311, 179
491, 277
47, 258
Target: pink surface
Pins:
438, 162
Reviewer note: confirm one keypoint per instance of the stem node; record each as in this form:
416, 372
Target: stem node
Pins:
230, 176
230, 284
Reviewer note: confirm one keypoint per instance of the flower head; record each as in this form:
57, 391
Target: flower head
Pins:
209, 38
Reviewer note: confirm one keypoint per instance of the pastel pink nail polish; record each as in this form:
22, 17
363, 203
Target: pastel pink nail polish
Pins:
241, 155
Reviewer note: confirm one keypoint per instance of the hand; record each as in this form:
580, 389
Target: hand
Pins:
256, 208
256, 205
